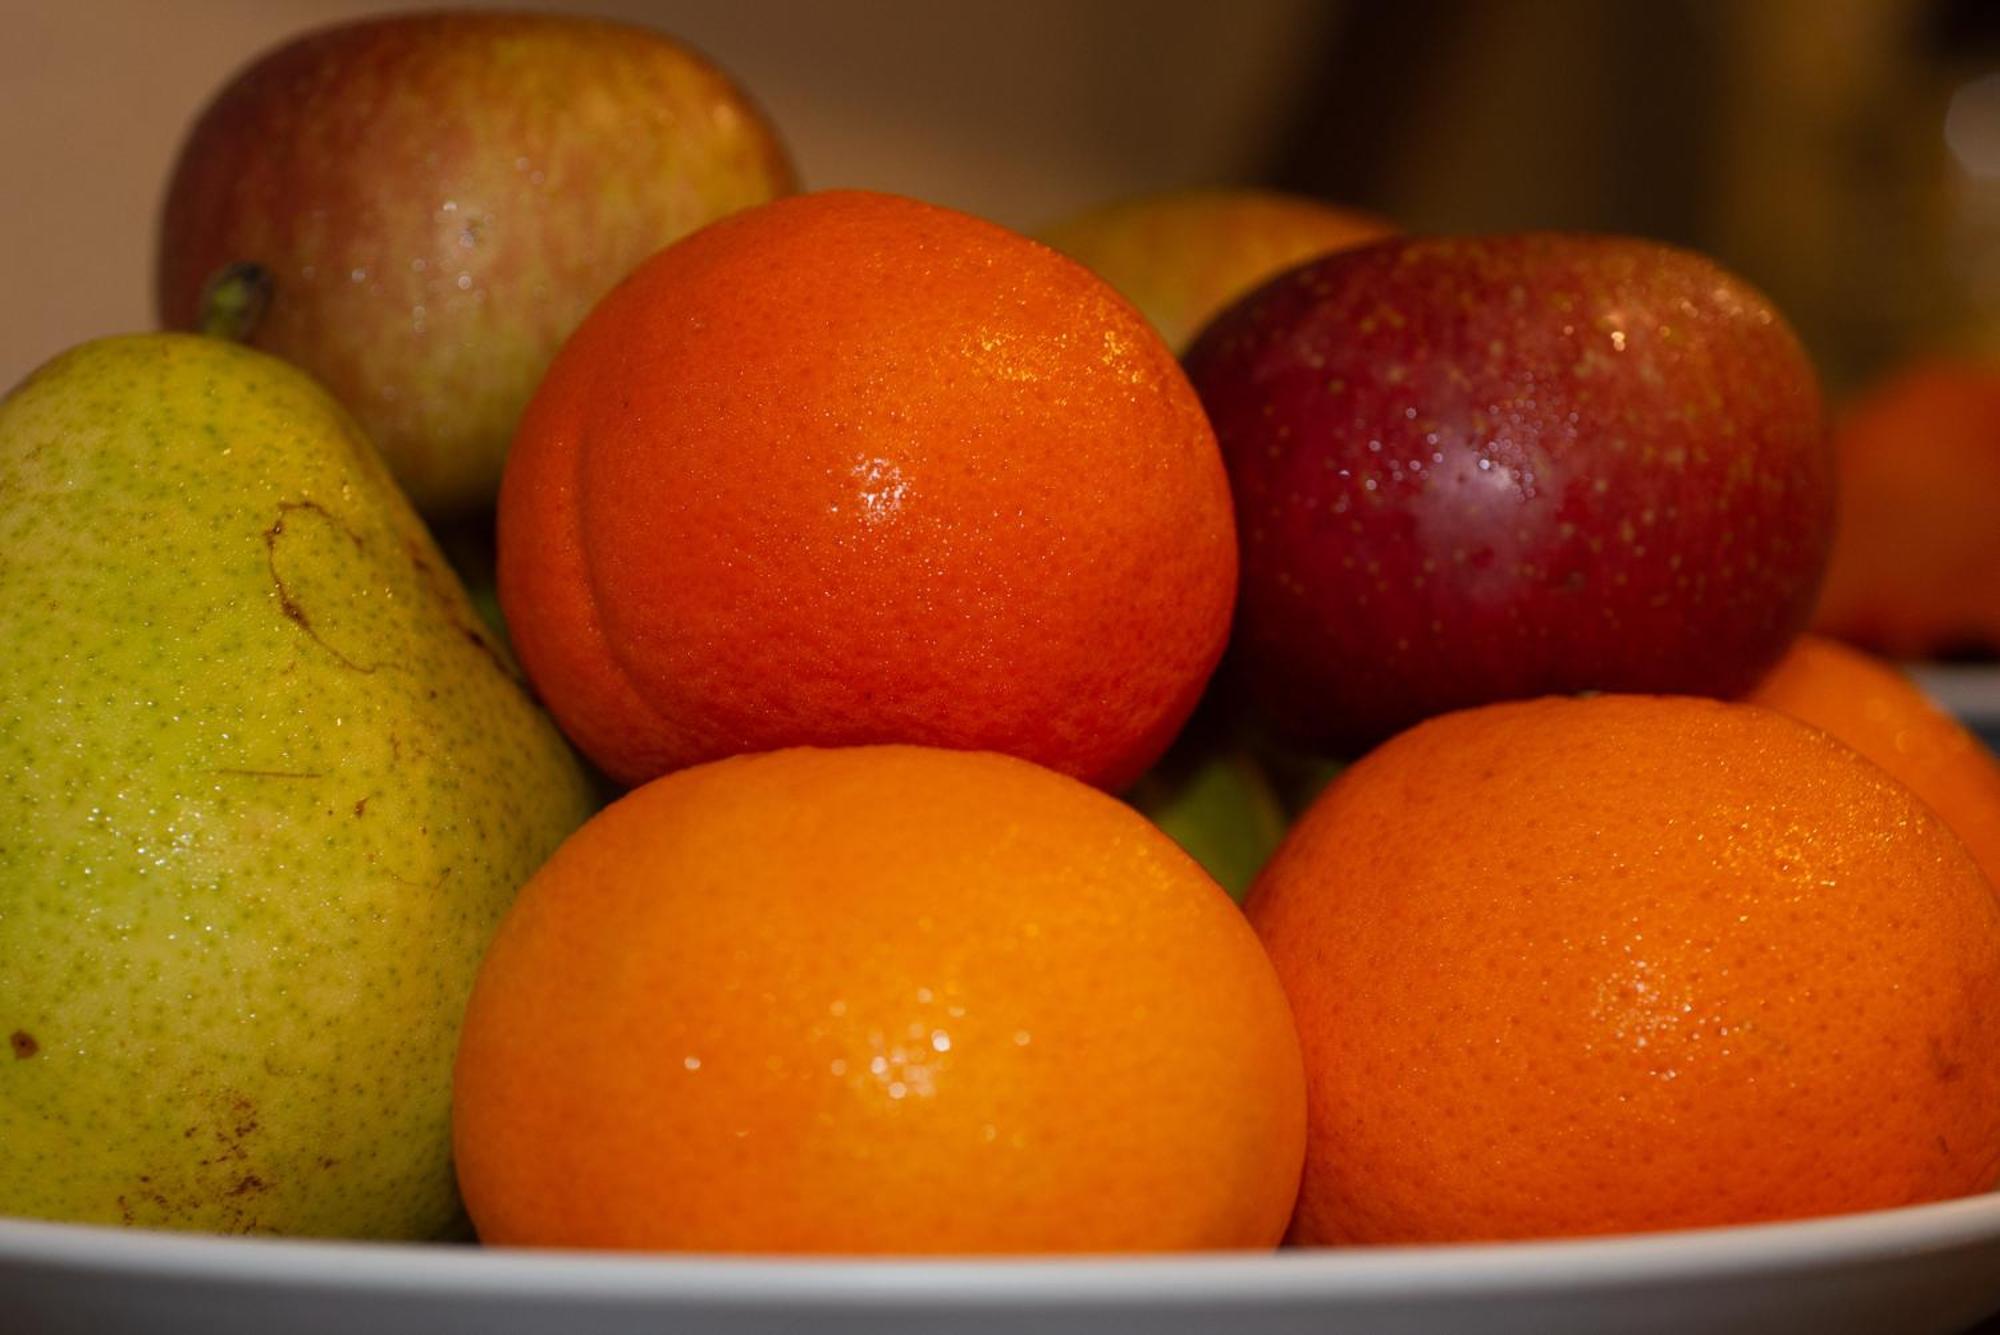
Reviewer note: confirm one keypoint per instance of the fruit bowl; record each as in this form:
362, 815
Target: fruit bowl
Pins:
1969, 690
1930, 1268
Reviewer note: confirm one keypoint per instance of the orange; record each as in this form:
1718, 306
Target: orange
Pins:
1885, 716
883, 999
849, 468
1916, 558
1571, 967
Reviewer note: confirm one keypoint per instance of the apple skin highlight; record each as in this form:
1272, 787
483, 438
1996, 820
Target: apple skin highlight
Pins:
1469, 470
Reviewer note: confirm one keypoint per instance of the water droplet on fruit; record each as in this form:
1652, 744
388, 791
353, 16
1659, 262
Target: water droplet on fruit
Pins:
882, 489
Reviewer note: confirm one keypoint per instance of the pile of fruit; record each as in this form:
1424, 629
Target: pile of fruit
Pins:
743, 867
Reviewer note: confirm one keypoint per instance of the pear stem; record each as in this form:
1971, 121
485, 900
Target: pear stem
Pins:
233, 301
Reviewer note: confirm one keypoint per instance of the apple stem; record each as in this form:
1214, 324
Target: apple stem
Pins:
234, 300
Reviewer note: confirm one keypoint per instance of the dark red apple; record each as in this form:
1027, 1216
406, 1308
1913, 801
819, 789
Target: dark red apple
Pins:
1477, 469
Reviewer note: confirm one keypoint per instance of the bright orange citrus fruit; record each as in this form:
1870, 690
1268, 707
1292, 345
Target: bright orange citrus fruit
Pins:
883, 999
1627, 963
1916, 557
1885, 716
849, 468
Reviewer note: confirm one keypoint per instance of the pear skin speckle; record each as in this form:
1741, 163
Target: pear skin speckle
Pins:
266, 786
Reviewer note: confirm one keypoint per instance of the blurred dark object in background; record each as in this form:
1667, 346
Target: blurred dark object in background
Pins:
1844, 155
1459, 115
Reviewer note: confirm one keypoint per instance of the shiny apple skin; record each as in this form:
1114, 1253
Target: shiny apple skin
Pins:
1476, 469
438, 199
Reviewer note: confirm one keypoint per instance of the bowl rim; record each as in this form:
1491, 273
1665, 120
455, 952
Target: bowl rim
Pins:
1230, 1279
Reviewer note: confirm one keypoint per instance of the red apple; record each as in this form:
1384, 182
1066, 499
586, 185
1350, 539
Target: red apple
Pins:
1183, 255
1469, 470
437, 200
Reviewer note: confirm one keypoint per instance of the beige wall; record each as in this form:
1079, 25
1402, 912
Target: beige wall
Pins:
1020, 111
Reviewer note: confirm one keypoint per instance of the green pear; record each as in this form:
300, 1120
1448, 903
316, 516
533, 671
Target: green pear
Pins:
1221, 808
266, 787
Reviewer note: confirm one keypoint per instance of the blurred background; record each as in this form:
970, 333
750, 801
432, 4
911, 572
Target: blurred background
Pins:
1842, 154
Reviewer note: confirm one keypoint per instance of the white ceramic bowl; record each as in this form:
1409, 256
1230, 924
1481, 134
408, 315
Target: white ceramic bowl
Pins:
1933, 1268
